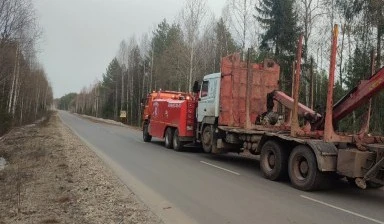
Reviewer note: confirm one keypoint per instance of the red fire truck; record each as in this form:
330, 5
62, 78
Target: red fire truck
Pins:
147, 104
171, 117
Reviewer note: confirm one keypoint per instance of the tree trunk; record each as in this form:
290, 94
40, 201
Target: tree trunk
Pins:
11, 93
37, 101
131, 99
311, 85
122, 89
116, 107
152, 65
378, 57
142, 89
128, 92
341, 56
191, 61
21, 111
17, 88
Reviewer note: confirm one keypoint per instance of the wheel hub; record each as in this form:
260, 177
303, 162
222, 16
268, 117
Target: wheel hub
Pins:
303, 167
207, 138
271, 160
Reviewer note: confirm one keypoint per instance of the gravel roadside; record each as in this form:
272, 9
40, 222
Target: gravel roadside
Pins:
50, 176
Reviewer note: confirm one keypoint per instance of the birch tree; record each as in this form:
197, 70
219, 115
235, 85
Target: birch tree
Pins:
310, 11
25, 93
192, 16
122, 58
241, 20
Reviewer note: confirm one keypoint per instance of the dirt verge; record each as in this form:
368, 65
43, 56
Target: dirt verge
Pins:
52, 177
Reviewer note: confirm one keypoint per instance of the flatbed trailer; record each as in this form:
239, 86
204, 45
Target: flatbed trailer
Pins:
239, 114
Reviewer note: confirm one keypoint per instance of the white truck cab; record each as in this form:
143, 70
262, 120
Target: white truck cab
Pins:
208, 106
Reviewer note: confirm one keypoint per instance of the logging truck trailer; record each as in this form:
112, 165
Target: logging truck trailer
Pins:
237, 111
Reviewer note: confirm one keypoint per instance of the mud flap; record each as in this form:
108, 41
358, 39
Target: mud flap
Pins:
326, 154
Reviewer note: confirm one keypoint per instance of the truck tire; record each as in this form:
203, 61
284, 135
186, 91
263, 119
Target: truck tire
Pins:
274, 161
207, 139
302, 170
168, 138
146, 136
177, 144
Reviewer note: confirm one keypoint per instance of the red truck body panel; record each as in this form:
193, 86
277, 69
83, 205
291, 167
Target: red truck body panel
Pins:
147, 110
233, 92
173, 113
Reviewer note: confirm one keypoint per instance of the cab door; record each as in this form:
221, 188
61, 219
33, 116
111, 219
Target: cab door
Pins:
207, 102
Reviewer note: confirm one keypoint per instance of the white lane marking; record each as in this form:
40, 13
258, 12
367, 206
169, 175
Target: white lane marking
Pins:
218, 167
344, 210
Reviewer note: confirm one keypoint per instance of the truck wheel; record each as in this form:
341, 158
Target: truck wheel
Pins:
168, 138
274, 161
302, 169
208, 140
177, 145
146, 136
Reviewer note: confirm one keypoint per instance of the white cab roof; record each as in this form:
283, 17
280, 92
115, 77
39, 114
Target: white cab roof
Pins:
212, 76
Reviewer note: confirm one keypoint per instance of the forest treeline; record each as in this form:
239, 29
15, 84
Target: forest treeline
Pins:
25, 92
176, 53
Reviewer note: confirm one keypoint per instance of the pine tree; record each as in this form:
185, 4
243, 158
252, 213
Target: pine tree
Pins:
225, 43
111, 85
160, 38
279, 20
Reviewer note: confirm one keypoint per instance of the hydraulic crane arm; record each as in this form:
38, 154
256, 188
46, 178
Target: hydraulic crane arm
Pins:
287, 101
359, 95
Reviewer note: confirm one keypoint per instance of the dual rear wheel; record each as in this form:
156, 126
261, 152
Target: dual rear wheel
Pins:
274, 161
172, 139
168, 138
300, 165
303, 171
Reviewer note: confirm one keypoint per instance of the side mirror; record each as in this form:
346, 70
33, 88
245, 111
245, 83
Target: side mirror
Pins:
196, 86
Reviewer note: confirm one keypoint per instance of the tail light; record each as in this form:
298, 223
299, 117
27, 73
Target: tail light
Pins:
190, 116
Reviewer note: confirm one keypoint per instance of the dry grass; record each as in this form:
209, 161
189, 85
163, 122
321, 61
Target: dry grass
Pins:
50, 220
63, 199
51, 177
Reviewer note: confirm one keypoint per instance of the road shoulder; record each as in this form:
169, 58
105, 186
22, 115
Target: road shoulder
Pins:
51, 176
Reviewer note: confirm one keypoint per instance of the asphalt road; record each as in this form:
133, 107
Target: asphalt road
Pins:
190, 187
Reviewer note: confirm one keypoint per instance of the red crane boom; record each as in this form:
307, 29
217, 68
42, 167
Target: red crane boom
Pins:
359, 95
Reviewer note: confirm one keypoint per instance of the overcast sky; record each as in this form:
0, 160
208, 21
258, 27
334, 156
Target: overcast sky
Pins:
81, 37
